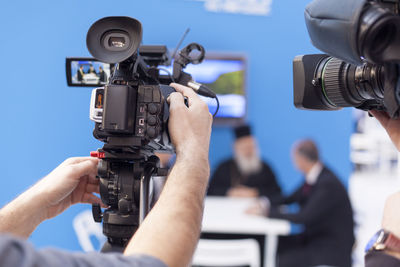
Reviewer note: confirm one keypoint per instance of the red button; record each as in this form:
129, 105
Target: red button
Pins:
97, 154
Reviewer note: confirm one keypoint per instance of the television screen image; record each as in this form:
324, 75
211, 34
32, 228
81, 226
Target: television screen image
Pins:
226, 76
89, 72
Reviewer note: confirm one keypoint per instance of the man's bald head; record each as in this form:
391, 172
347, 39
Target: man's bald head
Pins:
308, 149
305, 155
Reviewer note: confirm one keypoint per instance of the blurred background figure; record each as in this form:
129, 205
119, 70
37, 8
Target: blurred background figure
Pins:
325, 212
246, 174
102, 75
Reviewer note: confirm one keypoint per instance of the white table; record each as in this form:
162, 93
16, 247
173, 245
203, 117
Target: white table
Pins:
227, 215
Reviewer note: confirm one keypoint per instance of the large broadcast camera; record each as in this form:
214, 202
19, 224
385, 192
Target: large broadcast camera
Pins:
362, 40
131, 117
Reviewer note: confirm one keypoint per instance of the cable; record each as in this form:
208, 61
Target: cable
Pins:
168, 73
216, 111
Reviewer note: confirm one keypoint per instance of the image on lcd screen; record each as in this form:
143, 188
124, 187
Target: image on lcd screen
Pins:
87, 72
226, 77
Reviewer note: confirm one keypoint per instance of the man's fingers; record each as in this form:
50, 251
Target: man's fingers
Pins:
176, 100
92, 179
90, 199
88, 167
93, 188
188, 92
75, 160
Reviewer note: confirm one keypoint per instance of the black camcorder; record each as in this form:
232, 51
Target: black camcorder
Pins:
131, 115
361, 67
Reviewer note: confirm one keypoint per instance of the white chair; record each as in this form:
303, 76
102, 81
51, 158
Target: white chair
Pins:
240, 252
87, 230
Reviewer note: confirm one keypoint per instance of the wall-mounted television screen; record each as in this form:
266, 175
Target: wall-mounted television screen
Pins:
226, 76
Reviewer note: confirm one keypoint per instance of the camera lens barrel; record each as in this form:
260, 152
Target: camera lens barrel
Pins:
334, 84
347, 85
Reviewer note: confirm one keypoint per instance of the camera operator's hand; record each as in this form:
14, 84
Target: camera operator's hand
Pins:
189, 127
74, 181
392, 126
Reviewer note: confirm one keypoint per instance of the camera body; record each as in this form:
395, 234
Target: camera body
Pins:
361, 67
137, 114
131, 112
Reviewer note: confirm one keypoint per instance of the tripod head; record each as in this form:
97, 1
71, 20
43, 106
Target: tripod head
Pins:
124, 187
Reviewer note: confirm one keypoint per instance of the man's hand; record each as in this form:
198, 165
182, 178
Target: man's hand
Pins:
259, 208
242, 191
189, 127
74, 181
392, 126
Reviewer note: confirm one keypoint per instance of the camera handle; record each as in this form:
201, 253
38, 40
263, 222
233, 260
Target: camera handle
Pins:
184, 58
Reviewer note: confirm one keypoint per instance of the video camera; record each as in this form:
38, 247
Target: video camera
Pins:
131, 116
362, 40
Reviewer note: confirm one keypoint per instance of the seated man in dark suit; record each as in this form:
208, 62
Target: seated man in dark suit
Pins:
325, 211
80, 73
245, 175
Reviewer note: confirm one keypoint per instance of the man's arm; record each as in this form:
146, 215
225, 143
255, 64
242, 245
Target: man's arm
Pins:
15, 252
171, 230
72, 182
318, 206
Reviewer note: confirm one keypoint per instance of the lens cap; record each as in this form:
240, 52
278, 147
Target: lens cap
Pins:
114, 39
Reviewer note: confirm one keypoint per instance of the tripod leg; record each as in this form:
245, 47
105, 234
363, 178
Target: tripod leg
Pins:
108, 247
144, 204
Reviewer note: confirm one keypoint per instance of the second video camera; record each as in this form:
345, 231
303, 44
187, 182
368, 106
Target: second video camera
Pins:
362, 40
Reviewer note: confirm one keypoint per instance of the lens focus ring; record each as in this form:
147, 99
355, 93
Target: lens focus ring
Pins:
333, 83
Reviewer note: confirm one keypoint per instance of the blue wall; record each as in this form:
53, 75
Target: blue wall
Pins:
43, 121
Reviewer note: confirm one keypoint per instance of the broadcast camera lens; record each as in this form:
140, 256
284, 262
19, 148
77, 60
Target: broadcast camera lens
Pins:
326, 83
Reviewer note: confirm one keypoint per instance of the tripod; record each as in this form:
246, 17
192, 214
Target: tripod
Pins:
124, 186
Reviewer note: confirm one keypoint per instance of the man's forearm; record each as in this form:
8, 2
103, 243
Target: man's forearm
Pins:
21, 216
171, 230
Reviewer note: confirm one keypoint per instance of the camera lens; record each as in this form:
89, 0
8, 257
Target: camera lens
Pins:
347, 85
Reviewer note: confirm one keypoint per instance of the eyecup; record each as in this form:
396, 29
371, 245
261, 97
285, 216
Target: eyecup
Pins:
120, 27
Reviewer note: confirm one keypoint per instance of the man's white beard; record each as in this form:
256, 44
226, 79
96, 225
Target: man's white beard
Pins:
248, 166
